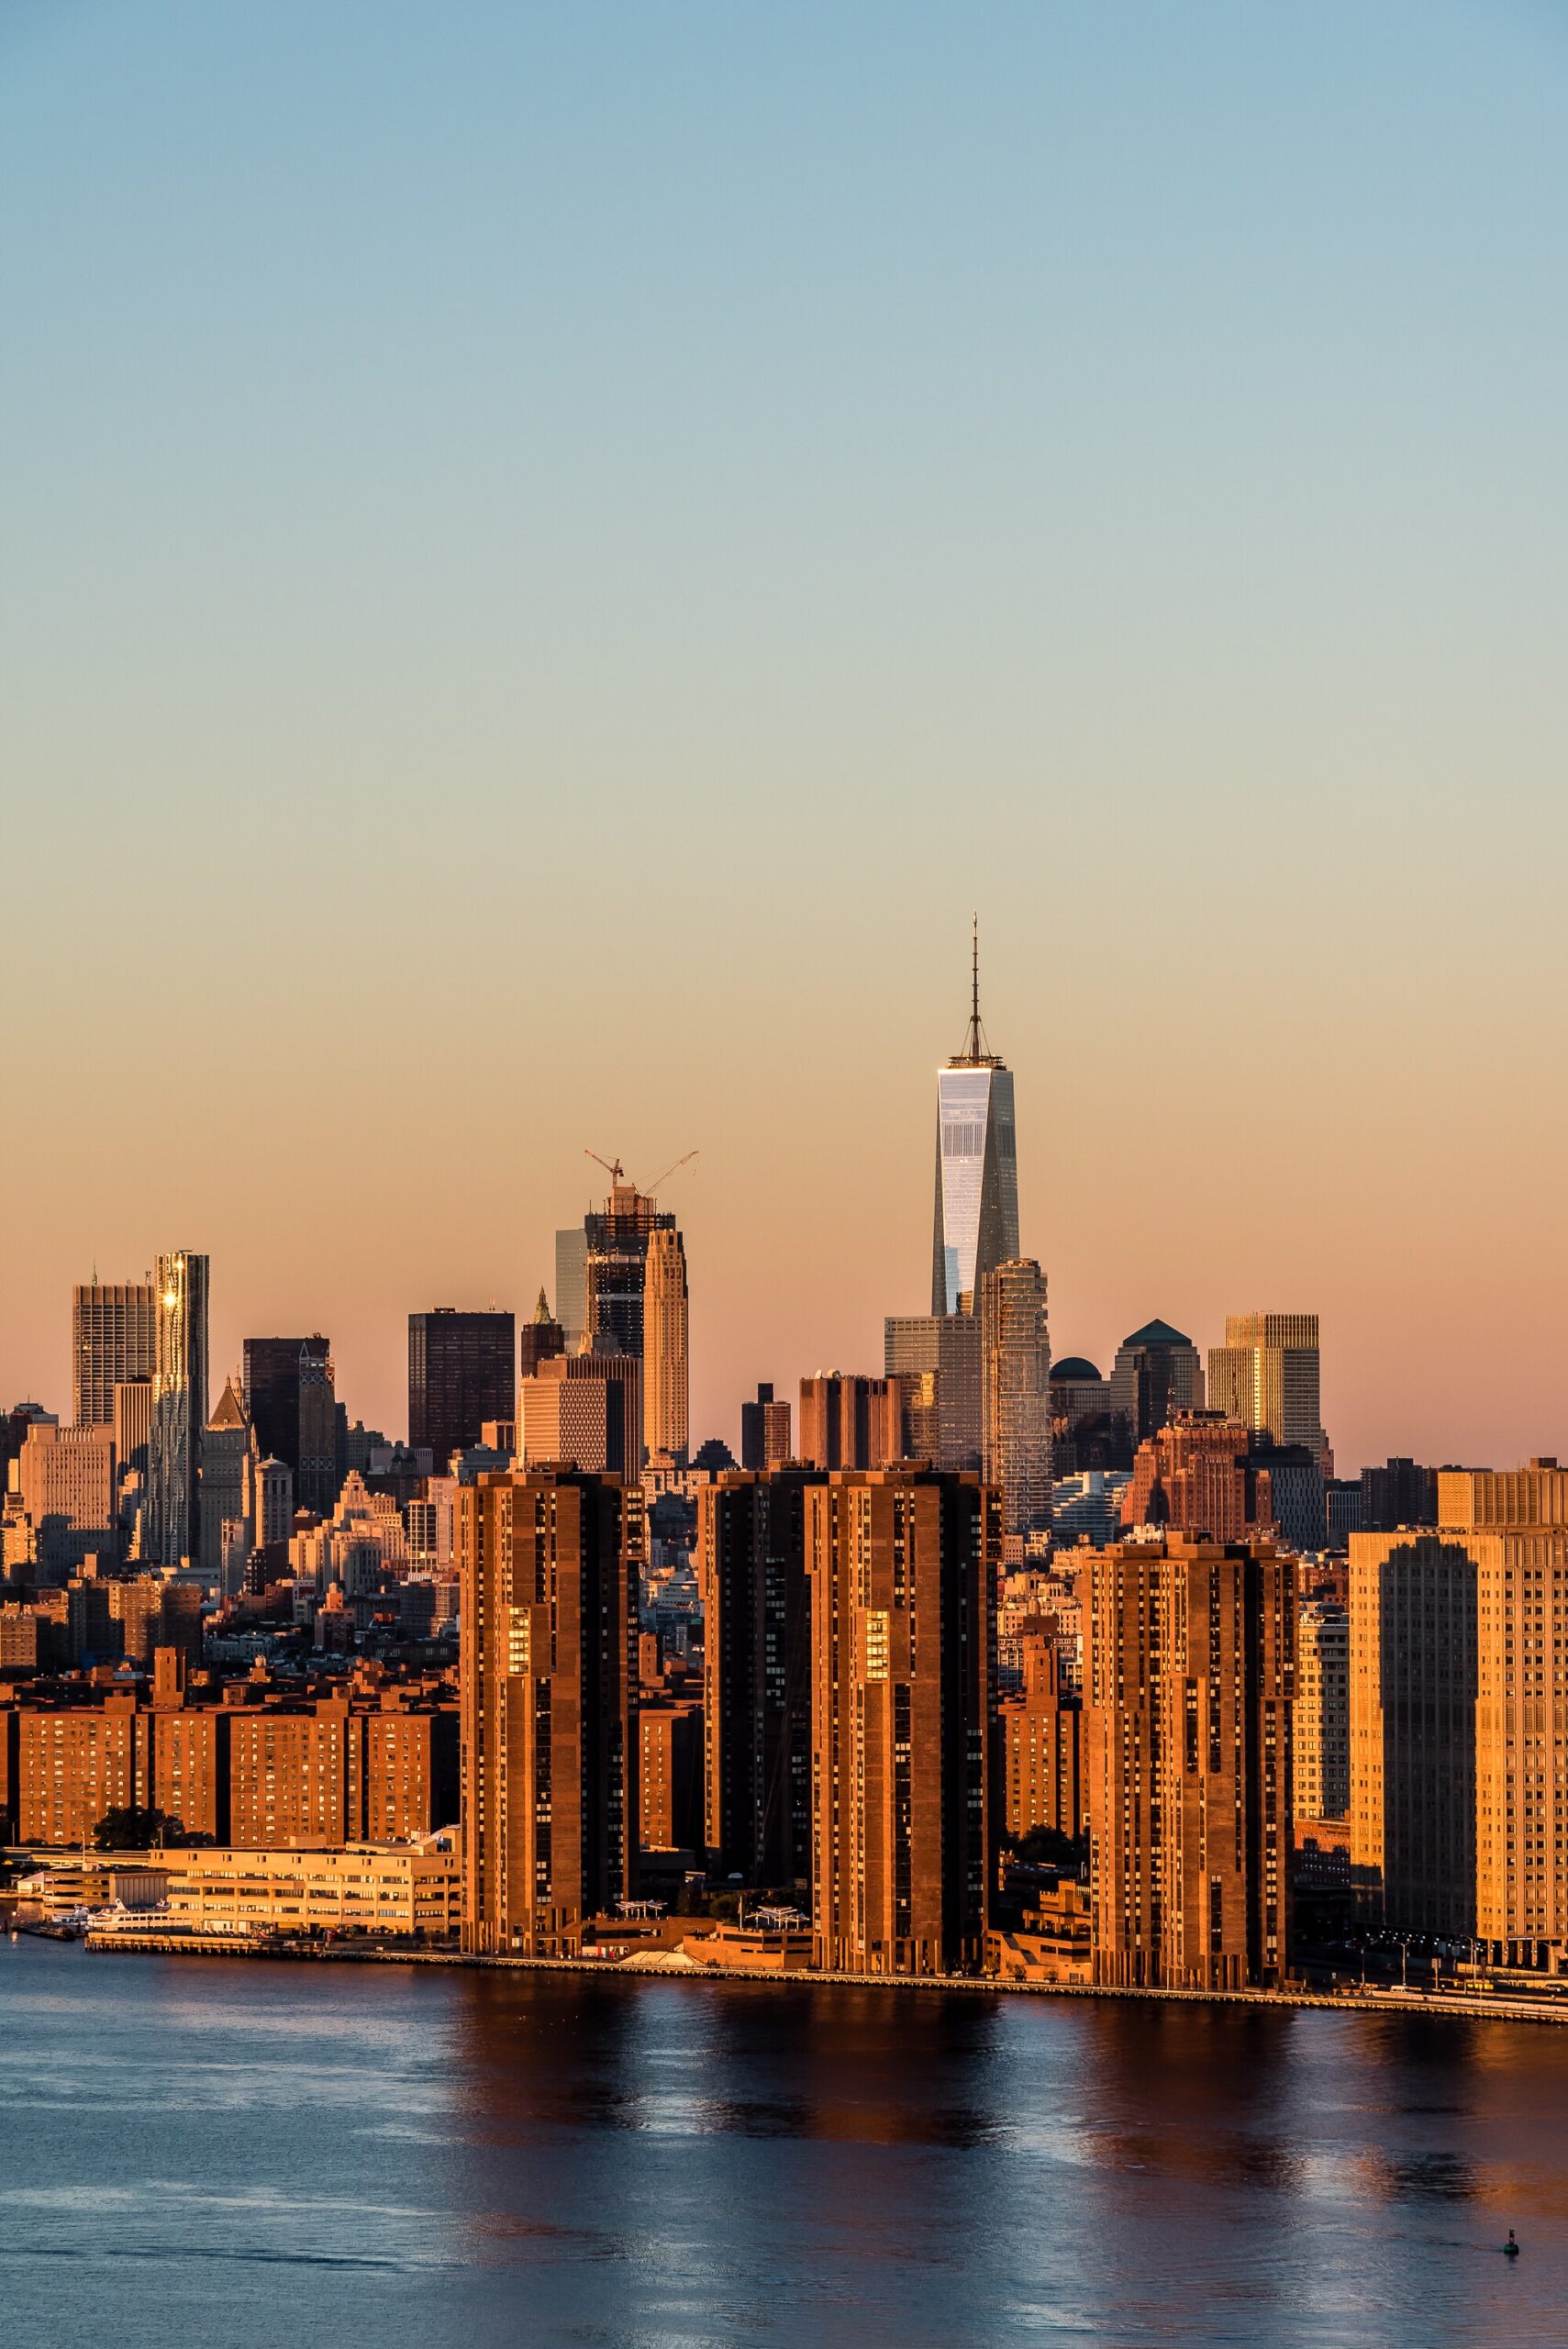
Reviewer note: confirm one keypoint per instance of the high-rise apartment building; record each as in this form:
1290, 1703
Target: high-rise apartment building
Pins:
756, 1674
461, 1372
1187, 1678
902, 1564
1038, 1732
173, 1522
948, 1344
1015, 1418
549, 1563
850, 1421
765, 1439
114, 1342
1459, 1713
1267, 1376
1322, 1743
977, 1221
272, 1378
1157, 1372
665, 1360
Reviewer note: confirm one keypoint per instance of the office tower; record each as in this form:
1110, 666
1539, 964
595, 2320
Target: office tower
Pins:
1157, 1372
1015, 1417
1322, 1710
65, 1481
548, 1675
460, 1375
273, 1371
1344, 1510
848, 1421
114, 1342
572, 1284
317, 1478
616, 1267
1187, 1675
1459, 1713
1038, 1732
1292, 1478
976, 1223
919, 1416
765, 1441
1266, 1375
539, 1340
949, 1344
1397, 1494
902, 1564
664, 1345
133, 1424
585, 1409
269, 1501
173, 1522
756, 1674
227, 1448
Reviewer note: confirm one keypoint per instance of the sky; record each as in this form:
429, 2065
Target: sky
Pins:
552, 558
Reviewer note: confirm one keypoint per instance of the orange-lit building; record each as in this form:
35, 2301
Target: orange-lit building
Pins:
1038, 1734
669, 1751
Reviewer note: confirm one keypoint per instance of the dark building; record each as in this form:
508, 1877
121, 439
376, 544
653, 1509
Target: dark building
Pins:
616, 1274
765, 1432
462, 1372
549, 1563
902, 1564
1157, 1372
539, 1340
272, 1377
1084, 1432
756, 1674
1396, 1495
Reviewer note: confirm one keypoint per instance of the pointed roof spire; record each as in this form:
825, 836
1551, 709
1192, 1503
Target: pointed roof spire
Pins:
976, 1054
231, 1412
541, 1310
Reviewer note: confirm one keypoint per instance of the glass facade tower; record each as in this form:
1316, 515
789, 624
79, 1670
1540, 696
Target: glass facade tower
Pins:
976, 1225
179, 1410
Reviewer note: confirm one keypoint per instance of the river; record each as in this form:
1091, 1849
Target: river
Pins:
240, 2152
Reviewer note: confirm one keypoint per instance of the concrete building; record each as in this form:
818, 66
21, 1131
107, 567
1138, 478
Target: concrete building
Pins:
114, 1342
850, 1421
757, 1673
412, 1891
549, 1562
665, 1347
1458, 1714
1188, 1678
765, 1439
1322, 1710
1015, 1389
902, 1564
1039, 1734
65, 1482
585, 1408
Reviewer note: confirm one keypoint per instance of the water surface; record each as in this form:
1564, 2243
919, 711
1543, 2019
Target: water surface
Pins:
243, 2152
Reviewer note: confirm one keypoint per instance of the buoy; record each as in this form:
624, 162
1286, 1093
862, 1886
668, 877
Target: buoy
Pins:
1510, 2249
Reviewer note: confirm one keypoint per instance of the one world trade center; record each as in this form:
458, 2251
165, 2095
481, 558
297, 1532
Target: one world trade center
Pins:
977, 1167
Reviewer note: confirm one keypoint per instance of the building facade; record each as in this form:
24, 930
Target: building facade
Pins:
461, 1372
665, 1347
173, 1519
1015, 1418
976, 1215
114, 1342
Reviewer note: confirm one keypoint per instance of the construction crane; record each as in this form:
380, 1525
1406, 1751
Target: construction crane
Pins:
616, 1173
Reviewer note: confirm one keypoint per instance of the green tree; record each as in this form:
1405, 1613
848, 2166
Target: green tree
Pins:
133, 1828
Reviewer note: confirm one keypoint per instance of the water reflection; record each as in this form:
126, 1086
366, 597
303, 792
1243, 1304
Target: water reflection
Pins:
276, 2152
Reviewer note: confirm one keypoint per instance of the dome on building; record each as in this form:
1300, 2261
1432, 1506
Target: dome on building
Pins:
1073, 1370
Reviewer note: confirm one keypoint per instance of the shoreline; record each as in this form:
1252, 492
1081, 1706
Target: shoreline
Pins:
1457, 2009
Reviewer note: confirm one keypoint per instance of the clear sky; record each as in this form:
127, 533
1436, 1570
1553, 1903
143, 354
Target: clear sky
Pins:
552, 555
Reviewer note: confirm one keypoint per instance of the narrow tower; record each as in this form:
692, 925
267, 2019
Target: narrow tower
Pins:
665, 1357
977, 1168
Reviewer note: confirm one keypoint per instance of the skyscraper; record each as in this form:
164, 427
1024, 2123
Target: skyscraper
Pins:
1459, 1713
172, 1528
1322, 1710
850, 1421
948, 1344
228, 1447
615, 1265
1187, 1679
1017, 1389
903, 1563
765, 1432
976, 1224
272, 1392
548, 1677
1157, 1372
571, 1283
114, 1342
665, 1372
539, 1340
1266, 1375
586, 1409
756, 1675
461, 1372
317, 1478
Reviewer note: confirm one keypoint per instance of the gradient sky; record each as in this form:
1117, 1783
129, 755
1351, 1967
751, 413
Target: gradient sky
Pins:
551, 555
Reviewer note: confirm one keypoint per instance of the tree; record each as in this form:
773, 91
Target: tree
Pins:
134, 1827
